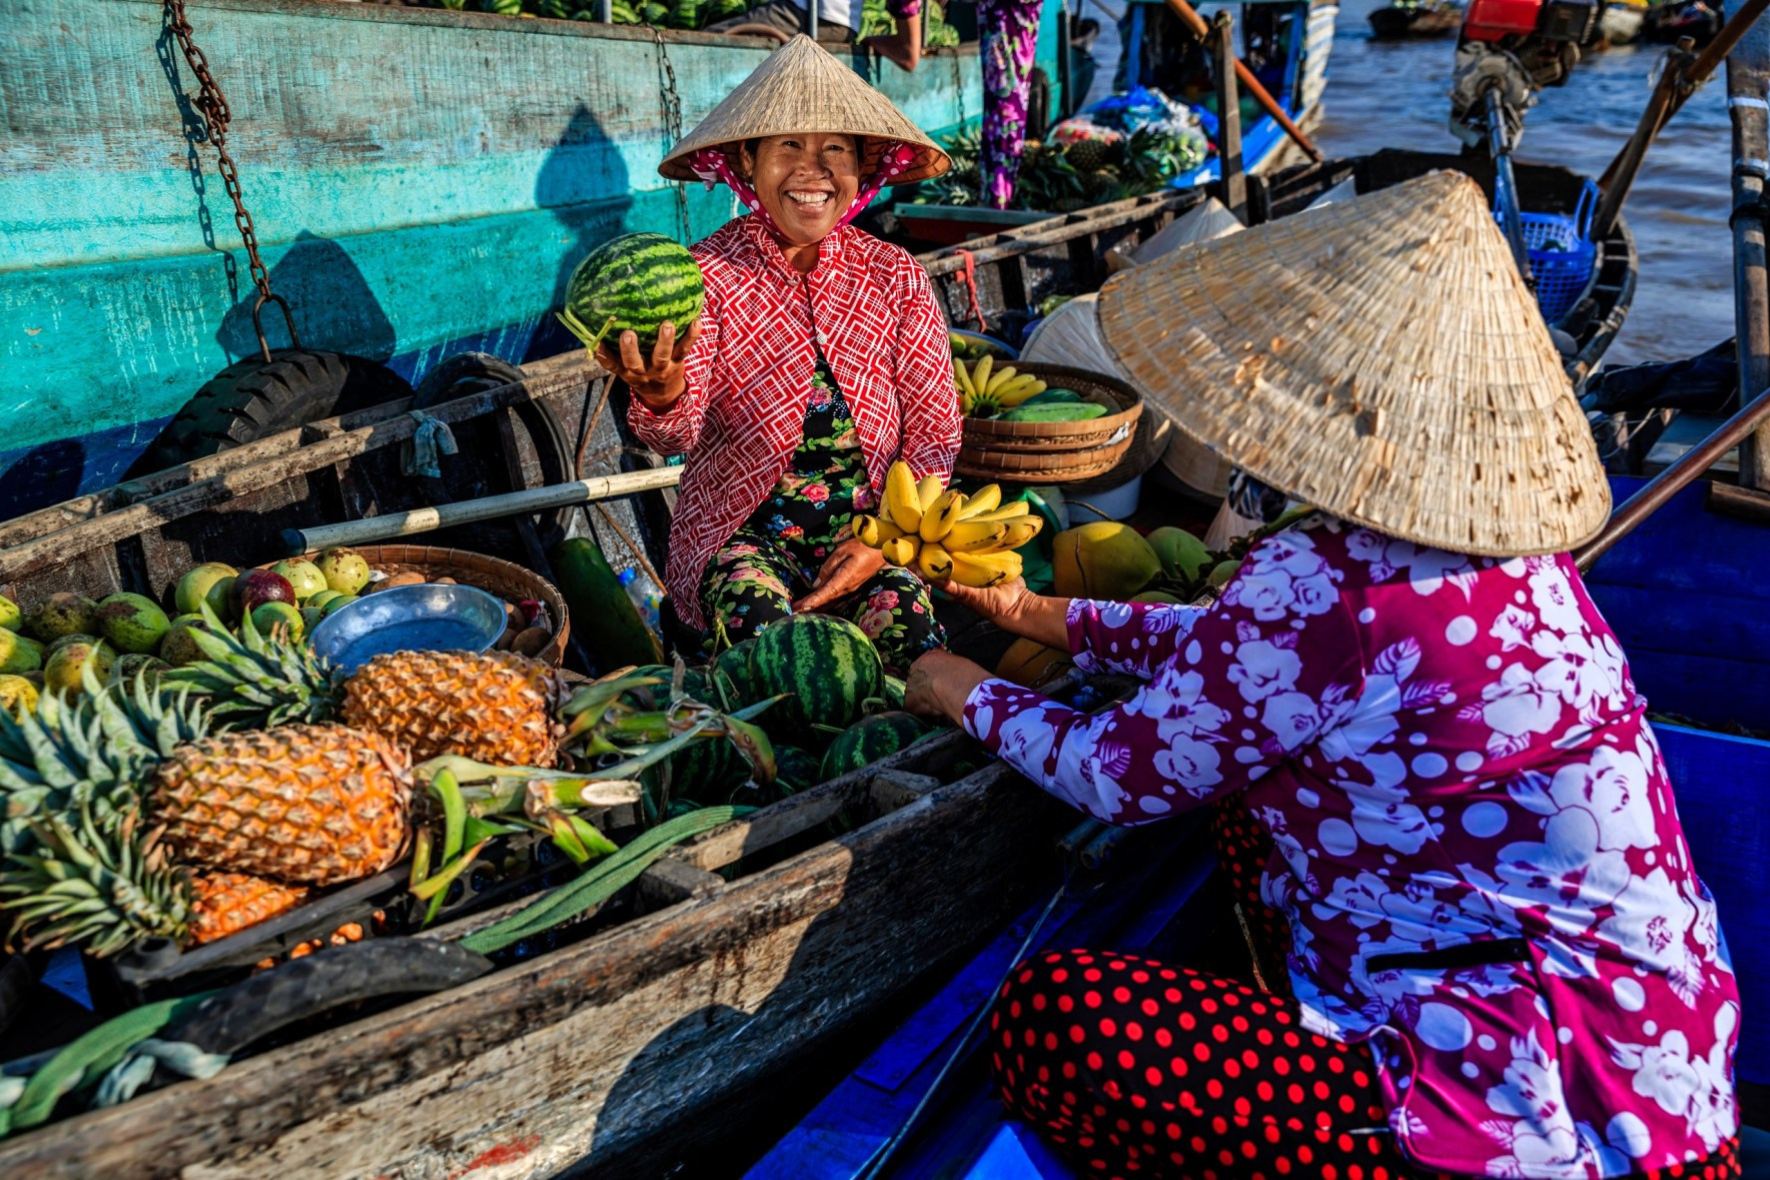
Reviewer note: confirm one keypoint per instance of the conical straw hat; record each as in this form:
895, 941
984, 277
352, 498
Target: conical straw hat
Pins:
1379, 359
801, 88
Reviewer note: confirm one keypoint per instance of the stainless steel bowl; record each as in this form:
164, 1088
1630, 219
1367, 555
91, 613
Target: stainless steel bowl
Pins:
425, 617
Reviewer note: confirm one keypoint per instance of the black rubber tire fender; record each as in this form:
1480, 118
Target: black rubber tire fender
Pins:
468, 373
251, 399
255, 1008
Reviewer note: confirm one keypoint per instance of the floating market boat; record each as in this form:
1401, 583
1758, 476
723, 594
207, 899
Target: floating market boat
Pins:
422, 182
663, 1025
1622, 21
1418, 20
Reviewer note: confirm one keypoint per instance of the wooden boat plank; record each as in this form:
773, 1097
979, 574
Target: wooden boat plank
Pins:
281, 465
586, 1052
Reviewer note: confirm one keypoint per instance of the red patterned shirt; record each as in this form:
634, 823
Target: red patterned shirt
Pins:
868, 307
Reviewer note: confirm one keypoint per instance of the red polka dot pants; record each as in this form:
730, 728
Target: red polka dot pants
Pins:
1243, 847
1129, 1067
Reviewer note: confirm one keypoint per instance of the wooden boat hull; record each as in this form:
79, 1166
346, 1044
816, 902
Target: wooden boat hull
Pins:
622, 1053
422, 182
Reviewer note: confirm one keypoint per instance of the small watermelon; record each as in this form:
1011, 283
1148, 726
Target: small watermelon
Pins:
868, 740
795, 770
828, 665
635, 283
708, 771
734, 664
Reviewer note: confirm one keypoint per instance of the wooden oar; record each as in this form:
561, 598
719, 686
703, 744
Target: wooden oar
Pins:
423, 520
1196, 23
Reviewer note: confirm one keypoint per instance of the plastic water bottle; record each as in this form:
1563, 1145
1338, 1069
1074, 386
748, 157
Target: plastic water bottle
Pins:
648, 602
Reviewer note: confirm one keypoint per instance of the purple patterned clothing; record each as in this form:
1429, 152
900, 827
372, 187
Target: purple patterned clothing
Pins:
1477, 845
1009, 30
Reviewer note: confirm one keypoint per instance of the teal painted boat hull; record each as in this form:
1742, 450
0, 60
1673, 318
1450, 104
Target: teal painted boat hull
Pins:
422, 183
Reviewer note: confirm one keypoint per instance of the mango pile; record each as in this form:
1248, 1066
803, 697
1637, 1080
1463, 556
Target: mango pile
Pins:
944, 534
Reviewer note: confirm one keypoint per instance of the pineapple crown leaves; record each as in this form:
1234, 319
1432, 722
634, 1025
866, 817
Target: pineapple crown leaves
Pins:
95, 747
92, 880
255, 681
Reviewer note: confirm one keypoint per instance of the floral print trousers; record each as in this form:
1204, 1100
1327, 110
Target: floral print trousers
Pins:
774, 558
1009, 30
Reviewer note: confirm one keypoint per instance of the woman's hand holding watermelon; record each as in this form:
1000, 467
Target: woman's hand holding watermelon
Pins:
656, 380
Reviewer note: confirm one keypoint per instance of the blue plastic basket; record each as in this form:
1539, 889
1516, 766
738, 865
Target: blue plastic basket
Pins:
1562, 253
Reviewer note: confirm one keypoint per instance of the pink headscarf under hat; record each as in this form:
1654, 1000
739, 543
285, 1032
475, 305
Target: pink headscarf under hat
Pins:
713, 166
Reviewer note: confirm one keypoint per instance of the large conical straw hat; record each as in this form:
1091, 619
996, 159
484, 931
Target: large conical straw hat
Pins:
1379, 359
800, 88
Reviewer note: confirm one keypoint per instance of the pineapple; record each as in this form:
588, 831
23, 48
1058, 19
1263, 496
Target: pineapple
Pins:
127, 819
227, 903
495, 708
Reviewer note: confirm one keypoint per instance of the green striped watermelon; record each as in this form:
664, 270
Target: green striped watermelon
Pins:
707, 771
635, 283
828, 665
868, 740
795, 770
734, 664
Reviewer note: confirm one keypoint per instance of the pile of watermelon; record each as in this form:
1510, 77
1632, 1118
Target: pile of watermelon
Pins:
838, 711
678, 14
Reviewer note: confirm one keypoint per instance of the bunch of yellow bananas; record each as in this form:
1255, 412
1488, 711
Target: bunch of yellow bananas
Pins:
944, 534
985, 390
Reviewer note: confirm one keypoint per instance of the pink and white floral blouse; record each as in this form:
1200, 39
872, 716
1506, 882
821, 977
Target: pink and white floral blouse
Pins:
1477, 844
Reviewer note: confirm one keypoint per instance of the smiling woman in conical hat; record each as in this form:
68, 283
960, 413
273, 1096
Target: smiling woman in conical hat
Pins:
820, 358
1499, 953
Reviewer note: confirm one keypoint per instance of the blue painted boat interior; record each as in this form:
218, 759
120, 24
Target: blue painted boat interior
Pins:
1688, 595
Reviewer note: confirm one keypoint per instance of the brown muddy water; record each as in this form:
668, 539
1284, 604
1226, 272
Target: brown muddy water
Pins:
1393, 94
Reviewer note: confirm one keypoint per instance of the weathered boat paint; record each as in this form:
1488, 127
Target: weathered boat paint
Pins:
422, 181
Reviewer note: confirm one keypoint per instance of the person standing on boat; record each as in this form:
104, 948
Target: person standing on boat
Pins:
837, 24
819, 359
1502, 961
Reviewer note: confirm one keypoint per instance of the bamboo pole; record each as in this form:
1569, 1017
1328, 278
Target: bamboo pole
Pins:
1235, 181
1674, 479
1196, 25
423, 520
1748, 83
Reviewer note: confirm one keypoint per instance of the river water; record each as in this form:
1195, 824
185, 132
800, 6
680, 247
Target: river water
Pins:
1393, 94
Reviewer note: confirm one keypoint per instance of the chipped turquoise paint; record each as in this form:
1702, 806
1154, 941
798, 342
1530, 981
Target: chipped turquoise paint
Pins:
421, 181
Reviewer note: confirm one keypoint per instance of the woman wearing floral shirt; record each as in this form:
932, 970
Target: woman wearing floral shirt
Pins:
819, 359
1502, 960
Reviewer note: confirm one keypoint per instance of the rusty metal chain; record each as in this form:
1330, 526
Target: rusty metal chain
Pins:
672, 124
216, 116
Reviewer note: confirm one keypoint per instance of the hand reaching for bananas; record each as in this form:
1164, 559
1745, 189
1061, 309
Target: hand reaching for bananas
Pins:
946, 535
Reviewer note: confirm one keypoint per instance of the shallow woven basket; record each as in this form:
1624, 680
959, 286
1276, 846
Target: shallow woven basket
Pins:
1054, 452
506, 579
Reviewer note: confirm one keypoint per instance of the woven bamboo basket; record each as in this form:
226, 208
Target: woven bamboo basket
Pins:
1054, 452
506, 579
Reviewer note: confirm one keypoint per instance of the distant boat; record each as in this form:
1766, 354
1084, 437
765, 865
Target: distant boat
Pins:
1699, 20
1417, 20
1622, 21
422, 180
